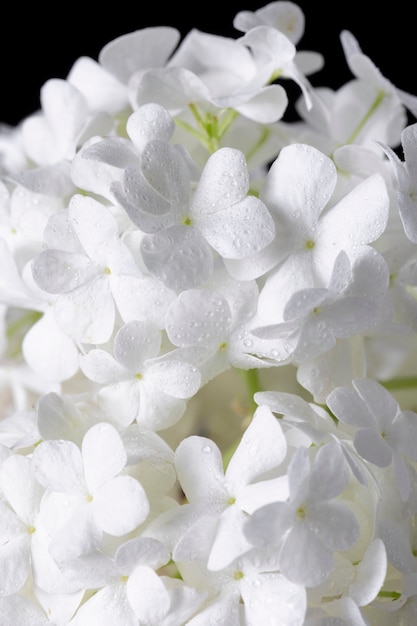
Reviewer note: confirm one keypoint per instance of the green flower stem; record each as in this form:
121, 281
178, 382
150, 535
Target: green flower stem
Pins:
226, 121
252, 382
391, 595
262, 139
190, 129
21, 323
406, 382
379, 98
210, 128
17, 328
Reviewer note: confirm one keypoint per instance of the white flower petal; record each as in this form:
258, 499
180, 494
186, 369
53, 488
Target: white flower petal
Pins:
142, 298
299, 184
141, 551
94, 167
104, 455
380, 402
329, 475
303, 560
223, 182
179, 256
58, 418
157, 410
175, 378
303, 301
366, 206
58, 466
349, 408
95, 227
166, 171
87, 314
77, 537
120, 506
230, 541
198, 317
141, 49
153, 213
262, 448
267, 525
147, 595
148, 122
101, 367
48, 351
206, 476
49, 180
107, 607
57, 271
135, 343
185, 601
335, 525
240, 230
16, 609
224, 609
20, 487
11, 526
14, 564
122, 400
397, 543
370, 574
174, 88
294, 274
273, 597
266, 106
196, 541
49, 577
372, 447
102, 90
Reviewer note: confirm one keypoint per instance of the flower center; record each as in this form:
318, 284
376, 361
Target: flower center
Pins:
301, 512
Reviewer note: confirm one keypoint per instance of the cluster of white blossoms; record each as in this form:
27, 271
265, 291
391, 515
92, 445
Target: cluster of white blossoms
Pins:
209, 338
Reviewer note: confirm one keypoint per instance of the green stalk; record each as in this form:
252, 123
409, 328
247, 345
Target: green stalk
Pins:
379, 98
391, 595
405, 382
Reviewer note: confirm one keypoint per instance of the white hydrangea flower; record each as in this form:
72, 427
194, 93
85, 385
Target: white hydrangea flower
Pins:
250, 589
315, 318
312, 523
404, 172
88, 494
92, 272
384, 434
24, 537
162, 224
185, 230
64, 122
364, 68
310, 230
195, 77
139, 383
221, 499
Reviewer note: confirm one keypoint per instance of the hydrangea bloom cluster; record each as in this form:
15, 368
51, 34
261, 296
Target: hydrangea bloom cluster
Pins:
209, 338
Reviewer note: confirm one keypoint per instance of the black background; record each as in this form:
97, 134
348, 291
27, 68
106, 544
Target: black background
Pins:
38, 44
